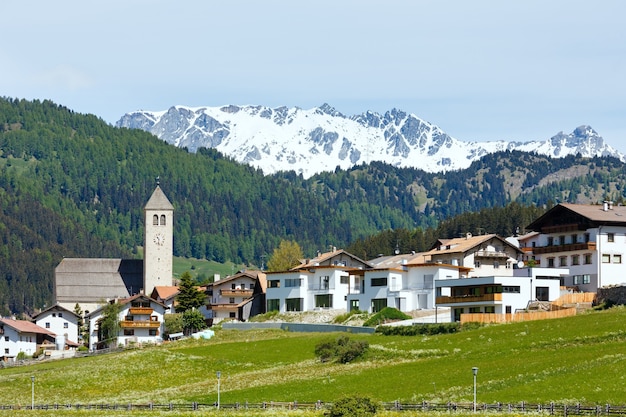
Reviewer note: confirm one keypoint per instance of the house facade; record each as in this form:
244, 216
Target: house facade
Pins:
589, 240
319, 283
407, 284
140, 321
485, 254
62, 322
236, 297
21, 336
499, 294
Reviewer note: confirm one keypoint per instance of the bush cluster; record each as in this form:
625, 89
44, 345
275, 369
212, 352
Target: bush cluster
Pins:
341, 349
419, 329
353, 407
385, 315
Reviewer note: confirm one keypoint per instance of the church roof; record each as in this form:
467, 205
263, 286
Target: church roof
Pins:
158, 201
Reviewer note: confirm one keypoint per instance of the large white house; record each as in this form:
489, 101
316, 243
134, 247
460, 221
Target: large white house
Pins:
589, 240
21, 336
405, 282
62, 322
499, 294
319, 283
140, 321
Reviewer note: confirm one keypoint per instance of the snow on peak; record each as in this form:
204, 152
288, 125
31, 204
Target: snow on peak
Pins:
322, 138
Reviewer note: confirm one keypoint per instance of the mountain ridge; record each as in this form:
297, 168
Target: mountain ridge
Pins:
321, 139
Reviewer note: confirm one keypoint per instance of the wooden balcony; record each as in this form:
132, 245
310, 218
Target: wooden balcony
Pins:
236, 293
591, 246
141, 311
491, 254
469, 299
140, 324
222, 307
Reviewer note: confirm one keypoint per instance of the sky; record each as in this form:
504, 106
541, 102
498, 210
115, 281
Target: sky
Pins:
480, 70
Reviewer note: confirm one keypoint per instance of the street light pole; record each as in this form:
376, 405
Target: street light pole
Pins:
32, 392
475, 372
219, 374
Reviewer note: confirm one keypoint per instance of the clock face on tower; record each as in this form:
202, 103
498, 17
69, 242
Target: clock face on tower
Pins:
159, 239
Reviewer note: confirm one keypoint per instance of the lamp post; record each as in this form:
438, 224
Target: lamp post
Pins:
32, 392
219, 374
475, 372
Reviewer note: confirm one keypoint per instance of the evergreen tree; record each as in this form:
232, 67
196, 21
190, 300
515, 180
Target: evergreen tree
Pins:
189, 297
80, 323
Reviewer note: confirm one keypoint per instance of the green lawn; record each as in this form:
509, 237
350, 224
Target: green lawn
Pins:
577, 359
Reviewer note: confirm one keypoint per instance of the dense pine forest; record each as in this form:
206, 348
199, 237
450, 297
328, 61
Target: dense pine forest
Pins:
73, 186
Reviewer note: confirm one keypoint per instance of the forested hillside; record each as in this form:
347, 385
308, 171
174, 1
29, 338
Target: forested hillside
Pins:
72, 185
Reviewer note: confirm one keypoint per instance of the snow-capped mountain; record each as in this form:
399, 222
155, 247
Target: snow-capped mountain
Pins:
320, 139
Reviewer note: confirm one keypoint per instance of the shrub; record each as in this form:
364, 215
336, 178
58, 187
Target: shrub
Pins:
419, 329
385, 315
341, 349
353, 406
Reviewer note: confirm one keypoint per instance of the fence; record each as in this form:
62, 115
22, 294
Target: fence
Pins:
449, 407
508, 318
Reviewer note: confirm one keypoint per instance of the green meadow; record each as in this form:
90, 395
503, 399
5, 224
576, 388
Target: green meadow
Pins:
577, 359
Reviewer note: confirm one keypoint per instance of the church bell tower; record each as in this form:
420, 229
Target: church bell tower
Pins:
158, 241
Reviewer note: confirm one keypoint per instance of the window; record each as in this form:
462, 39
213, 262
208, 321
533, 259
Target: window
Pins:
154, 318
233, 287
610, 237
232, 315
293, 282
129, 318
47, 325
273, 283
379, 282
378, 304
324, 301
354, 305
60, 314
293, 304
152, 332
231, 300
6, 351
6, 338
586, 279
617, 259
587, 259
512, 289
562, 260
490, 309
575, 259
578, 279
155, 220
550, 262
606, 258
496, 264
550, 241
344, 280
474, 309
65, 325
574, 238
477, 264
129, 332
562, 240
542, 293
587, 237
508, 310
162, 219
273, 305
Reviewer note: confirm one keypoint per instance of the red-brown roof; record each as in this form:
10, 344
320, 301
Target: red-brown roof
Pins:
23, 326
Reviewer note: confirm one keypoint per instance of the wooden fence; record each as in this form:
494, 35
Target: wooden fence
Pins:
426, 407
509, 318
575, 298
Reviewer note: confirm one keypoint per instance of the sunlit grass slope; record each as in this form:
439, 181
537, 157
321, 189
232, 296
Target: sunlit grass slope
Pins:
577, 359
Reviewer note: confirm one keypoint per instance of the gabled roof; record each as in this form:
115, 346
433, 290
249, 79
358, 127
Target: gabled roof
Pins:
465, 244
125, 301
323, 257
56, 307
255, 275
396, 261
158, 201
164, 292
24, 326
588, 215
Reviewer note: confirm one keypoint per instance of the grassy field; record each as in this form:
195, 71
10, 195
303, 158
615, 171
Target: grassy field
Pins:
577, 359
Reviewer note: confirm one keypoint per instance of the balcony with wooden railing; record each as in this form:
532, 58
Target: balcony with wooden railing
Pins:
491, 254
569, 247
140, 324
236, 293
141, 311
469, 298
222, 307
